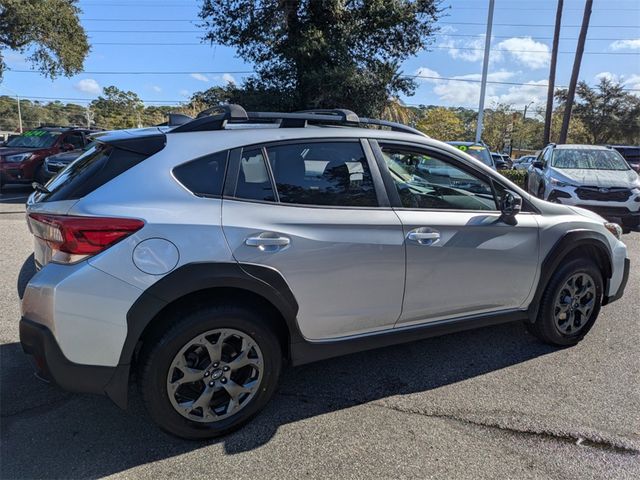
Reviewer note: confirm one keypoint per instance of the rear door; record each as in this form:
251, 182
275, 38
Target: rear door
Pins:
317, 213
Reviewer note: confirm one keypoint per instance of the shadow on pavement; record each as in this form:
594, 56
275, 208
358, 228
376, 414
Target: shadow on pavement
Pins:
14, 194
47, 433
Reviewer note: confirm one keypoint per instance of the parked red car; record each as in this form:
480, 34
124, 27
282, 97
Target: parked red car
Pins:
22, 157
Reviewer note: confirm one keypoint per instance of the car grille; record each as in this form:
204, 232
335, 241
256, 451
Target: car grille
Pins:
603, 194
607, 211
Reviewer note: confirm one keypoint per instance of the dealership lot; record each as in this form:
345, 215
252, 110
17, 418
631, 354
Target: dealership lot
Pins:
479, 404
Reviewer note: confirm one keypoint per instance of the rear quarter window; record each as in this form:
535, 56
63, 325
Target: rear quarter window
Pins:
91, 170
204, 176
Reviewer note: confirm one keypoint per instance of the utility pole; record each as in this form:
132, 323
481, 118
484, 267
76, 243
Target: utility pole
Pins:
576, 71
552, 75
485, 68
19, 113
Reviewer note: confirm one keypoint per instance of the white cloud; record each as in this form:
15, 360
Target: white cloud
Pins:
461, 93
469, 50
156, 88
200, 77
521, 95
527, 51
228, 78
629, 44
185, 93
88, 85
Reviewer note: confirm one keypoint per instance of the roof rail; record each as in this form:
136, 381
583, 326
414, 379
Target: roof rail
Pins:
216, 118
206, 121
175, 119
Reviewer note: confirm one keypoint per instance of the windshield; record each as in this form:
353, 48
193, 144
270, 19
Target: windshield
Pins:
476, 151
588, 160
34, 139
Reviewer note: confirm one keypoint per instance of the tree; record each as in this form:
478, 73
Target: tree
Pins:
607, 112
442, 124
117, 109
323, 53
498, 126
49, 29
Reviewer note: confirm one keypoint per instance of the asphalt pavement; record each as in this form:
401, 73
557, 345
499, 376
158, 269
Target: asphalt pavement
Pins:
488, 403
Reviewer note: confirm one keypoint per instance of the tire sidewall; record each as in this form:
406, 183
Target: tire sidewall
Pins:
154, 378
546, 316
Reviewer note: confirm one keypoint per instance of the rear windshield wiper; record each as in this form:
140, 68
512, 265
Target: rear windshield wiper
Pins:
38, 187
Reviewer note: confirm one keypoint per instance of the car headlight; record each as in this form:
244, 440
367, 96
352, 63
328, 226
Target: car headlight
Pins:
20, 157
614, 228
560, 184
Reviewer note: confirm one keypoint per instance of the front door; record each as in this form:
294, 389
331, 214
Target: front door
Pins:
311, 211
462, 258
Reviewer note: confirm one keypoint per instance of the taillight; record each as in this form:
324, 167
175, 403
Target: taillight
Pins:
80, 237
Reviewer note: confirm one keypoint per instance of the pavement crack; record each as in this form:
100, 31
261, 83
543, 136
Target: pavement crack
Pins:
584, 440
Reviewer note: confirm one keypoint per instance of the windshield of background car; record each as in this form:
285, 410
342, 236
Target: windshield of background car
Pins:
478, 152
34, 139
588, 160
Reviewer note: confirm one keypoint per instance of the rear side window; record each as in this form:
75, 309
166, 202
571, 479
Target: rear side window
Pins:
322, 173
91, 170
204, 176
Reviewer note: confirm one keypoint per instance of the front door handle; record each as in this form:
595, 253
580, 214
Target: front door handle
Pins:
267, 239
423, 236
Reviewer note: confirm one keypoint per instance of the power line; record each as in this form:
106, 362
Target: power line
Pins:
242, 72
443, 23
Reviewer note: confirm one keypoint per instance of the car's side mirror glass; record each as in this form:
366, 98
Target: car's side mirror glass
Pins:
538, 164
510, 204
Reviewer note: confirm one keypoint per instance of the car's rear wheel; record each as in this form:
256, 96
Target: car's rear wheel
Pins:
570, 303
211, 372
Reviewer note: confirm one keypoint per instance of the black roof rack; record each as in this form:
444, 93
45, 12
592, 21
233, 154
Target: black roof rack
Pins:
216, 118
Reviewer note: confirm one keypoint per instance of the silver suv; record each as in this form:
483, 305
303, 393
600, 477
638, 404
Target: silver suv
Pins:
589, 176
207, 256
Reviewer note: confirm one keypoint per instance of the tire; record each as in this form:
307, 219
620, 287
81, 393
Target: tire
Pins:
39, 176
159, 358
549, 326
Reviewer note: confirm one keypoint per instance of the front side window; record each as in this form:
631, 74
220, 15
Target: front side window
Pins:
74, 139
427, 182
253, 178
322, 173
587, 159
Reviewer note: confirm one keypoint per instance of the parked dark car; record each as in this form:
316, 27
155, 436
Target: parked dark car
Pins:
54, 163
502, 161
631, 154
477, 151
22, 157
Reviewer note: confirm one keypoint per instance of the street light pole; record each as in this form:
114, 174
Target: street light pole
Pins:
485, 68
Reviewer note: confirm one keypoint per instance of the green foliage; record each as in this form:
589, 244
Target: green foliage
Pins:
442, 124
117, 109
516, 176
606, 113
322, 53
49, 29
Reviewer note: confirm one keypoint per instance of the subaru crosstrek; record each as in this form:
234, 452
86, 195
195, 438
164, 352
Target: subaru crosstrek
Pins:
588, 176
206, 256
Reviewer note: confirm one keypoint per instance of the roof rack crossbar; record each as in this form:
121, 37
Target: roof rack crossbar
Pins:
344, 114
397, 127
206, 121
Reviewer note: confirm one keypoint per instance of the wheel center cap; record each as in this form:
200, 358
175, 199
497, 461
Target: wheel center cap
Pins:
216, 374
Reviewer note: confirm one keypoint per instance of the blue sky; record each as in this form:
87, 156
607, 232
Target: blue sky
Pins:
126, 35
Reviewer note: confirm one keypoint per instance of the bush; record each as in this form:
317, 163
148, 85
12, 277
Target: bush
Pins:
516, 176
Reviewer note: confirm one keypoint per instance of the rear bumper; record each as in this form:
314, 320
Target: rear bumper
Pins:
38, 341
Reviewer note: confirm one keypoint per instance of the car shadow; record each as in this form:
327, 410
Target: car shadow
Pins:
46, 432
14, 194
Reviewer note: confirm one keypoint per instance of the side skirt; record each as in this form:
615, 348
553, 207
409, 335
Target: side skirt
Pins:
307, 351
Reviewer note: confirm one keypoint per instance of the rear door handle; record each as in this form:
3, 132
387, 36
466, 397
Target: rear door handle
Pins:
423, 237
267, 240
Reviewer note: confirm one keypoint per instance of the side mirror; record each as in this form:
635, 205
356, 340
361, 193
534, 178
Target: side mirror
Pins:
537, 164
510, 204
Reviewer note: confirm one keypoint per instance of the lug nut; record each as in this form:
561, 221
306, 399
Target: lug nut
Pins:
223, 380
215, 365
206, 374
211, 384
225, 368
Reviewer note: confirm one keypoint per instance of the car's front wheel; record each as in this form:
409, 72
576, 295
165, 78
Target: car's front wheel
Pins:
211, 372
570, 303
